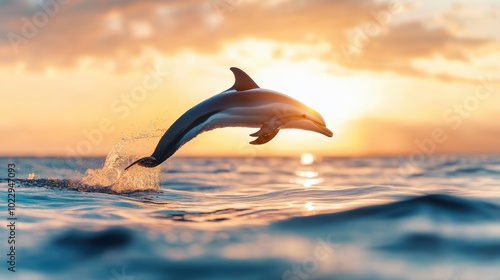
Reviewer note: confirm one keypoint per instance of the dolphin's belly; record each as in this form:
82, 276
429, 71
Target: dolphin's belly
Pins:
231, 120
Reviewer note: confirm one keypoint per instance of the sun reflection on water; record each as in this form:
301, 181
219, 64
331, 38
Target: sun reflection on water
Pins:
306, 175
309, 206
307, 158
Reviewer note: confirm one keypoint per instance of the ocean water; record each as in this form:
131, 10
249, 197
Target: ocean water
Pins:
254, 218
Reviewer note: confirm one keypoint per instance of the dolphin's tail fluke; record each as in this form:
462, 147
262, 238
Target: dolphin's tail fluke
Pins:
145, 162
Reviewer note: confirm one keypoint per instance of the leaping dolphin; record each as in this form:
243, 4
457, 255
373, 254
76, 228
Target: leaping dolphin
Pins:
244, 104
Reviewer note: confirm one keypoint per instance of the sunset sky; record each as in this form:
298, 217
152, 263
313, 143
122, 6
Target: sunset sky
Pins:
389, 77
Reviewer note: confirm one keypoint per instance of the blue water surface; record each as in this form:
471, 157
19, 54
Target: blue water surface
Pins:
257, 218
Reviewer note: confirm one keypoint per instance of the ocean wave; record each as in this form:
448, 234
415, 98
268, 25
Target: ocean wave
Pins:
90, 243
432, 206
433, 244
70, 184
472, 170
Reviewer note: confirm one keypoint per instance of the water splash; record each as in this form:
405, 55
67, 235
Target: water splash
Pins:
112, 173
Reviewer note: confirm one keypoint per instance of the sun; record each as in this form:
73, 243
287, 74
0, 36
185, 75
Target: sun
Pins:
338, 99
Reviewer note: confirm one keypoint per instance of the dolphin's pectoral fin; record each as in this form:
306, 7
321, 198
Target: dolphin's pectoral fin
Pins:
267, 132
268, 128
256, 134
265, 129
264, 138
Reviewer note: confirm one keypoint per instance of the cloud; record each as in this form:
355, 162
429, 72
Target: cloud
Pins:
109, 29
117, 31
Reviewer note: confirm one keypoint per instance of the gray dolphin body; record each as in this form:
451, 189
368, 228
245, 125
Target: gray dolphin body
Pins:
244, 104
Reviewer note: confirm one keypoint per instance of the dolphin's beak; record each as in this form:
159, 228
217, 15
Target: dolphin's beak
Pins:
323, 129
308, 124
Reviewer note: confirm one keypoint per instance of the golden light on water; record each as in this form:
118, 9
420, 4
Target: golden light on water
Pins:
309, 206
307, 158
311, 182
306, 175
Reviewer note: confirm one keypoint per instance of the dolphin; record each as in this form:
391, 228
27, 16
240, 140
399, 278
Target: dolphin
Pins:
244, 104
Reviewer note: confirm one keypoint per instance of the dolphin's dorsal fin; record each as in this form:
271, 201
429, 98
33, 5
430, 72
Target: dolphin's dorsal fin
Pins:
241, 80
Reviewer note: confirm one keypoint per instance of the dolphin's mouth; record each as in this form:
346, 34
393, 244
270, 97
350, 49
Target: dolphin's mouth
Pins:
321, 128
309, 124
